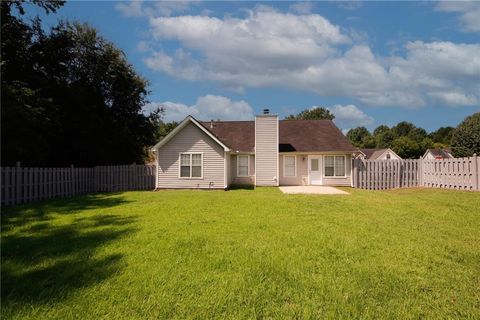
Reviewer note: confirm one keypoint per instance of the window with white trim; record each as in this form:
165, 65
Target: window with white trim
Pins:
289, 166
242, 165
334, 166
191, 165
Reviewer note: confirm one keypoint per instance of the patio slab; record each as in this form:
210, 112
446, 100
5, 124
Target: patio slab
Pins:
311, 190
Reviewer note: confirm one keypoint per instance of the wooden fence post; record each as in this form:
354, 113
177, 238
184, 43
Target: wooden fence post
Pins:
420, 171
355, 170
18, 184
475, 172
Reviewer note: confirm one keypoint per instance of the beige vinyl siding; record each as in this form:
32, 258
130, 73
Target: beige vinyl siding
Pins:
228, 165
251, 171
192, 140
301, 177
339, 181
266, 150
392, 156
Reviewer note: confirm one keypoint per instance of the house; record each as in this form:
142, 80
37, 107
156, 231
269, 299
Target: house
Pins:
377, 154
263, 152
432, 154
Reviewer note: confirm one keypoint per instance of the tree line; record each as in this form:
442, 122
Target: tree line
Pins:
69, 96
408, 140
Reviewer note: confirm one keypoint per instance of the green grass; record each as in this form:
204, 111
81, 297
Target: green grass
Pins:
412, 253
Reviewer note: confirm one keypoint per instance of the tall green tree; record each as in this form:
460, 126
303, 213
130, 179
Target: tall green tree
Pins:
442, 135
466, 137
358, 136
402, 129
407, 148
383, 136
318, 113
70, 97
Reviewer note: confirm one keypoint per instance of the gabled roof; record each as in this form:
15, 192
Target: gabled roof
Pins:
238, 135
294, 136
439, 153
187, 120
372, 154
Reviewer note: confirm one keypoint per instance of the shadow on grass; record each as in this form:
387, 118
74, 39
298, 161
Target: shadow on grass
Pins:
47, 261
16, 216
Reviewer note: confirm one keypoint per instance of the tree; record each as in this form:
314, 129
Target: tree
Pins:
402, 129
70, 97
466, 137
406, 148
383, 136
24, 127
358, 136
417, 134
442, 135
165, 128
317, 113
380, 130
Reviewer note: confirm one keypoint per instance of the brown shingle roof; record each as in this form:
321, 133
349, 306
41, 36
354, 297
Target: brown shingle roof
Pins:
441, 153
294, 135
237, 135
372, 154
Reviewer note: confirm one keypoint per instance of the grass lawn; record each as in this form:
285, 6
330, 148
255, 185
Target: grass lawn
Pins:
412, 253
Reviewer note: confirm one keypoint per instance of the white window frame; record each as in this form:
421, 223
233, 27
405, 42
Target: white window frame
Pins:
295, 162
180, 166
248, 165
344, 163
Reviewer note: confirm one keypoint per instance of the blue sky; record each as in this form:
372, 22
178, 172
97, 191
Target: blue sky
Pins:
371, 63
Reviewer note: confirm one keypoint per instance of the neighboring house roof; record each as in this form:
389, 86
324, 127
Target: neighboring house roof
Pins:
439, 153
294, 135
187, 120
372, 154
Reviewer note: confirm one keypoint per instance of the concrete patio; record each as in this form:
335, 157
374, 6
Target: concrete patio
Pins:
311, 190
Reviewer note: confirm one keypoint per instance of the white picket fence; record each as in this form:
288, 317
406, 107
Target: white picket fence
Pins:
23, 185
385, 174
456, 173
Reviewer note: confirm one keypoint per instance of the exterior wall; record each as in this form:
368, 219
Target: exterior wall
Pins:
301, 177
191, 139
266, 150
242, 180
228, 172
429, 156
392, 156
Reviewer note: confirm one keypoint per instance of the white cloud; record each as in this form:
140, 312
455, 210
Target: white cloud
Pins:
468, 13
306, 52
206, 108
302, 7
350, 116
130, 9
455, 99
139, 8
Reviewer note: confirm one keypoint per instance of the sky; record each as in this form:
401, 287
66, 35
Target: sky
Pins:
370, 63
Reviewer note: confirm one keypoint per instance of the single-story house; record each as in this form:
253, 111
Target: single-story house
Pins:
263, 152
377, 154
432, 154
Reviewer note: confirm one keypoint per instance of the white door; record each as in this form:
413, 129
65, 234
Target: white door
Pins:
314, 170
